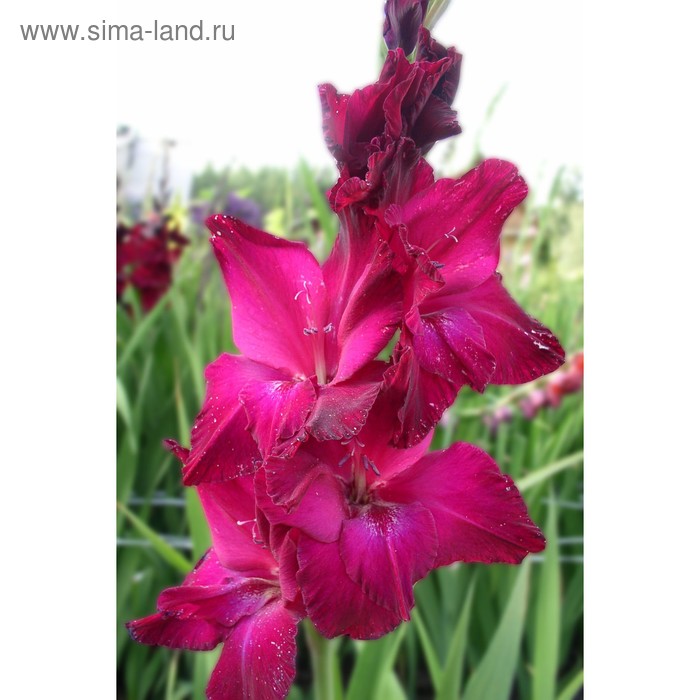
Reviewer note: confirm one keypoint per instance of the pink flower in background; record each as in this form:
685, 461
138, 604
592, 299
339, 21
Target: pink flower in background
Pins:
242, 594
146, 255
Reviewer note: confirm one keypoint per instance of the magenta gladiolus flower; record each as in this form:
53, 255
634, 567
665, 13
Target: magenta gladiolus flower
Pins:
310, 451
374, 519
242, 594
308, 367
461, 326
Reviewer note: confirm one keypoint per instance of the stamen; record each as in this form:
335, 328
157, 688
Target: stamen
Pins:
345, 459
310, 331
449, 234
437, 265
304, 291
369, 464
328, 328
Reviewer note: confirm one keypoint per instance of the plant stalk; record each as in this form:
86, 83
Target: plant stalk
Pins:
324, 664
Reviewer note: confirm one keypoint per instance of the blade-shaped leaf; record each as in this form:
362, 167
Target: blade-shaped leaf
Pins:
374, 662
451, 682
548, 613
494, 676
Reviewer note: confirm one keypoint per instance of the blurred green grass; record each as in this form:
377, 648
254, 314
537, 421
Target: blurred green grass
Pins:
478, 632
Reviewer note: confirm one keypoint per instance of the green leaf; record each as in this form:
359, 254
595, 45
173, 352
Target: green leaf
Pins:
167, 553
374, 662
451, 682
391, 688
431, 657
548, 613
548, 471
204, 662
148, 322
574, 685
124, 410
494, 676
323, 211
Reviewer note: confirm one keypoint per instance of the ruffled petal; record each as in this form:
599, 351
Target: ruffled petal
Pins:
451, 344
258, 658
457, 223
523, 348
479, 513
386, 549
277, 411
334, 603
341, 407
277, 291
222, 448
419, 396
319, 507
164, 630
198, 614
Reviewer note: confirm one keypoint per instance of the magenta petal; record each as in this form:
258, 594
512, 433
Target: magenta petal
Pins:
167, 631
257, 661
226, 603
386, 549
289, 566
277, 291
230, 511
524, 349
334, 603
376, 437
372, 314
458, 222
451, 344
420, 397
198, 614
222, 448
479, 513
277, 411
341, 408
320, 505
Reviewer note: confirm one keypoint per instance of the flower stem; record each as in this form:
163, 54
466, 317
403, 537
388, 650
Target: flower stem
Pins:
324, 664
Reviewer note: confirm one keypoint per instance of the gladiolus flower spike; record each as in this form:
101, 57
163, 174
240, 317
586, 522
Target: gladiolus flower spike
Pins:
310, 453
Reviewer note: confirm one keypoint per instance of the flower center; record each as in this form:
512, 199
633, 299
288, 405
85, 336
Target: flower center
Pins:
360, 464
315, 333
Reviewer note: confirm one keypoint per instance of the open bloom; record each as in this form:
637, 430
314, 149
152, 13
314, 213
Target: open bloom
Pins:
242, 593
308, 338
373, 520
460, 325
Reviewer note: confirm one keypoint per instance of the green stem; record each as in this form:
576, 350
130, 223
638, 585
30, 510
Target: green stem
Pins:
324, 664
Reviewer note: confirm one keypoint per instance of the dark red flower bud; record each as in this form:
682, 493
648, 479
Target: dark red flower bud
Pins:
403, 19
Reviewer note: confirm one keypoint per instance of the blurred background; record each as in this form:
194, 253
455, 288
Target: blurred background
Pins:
477, 632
